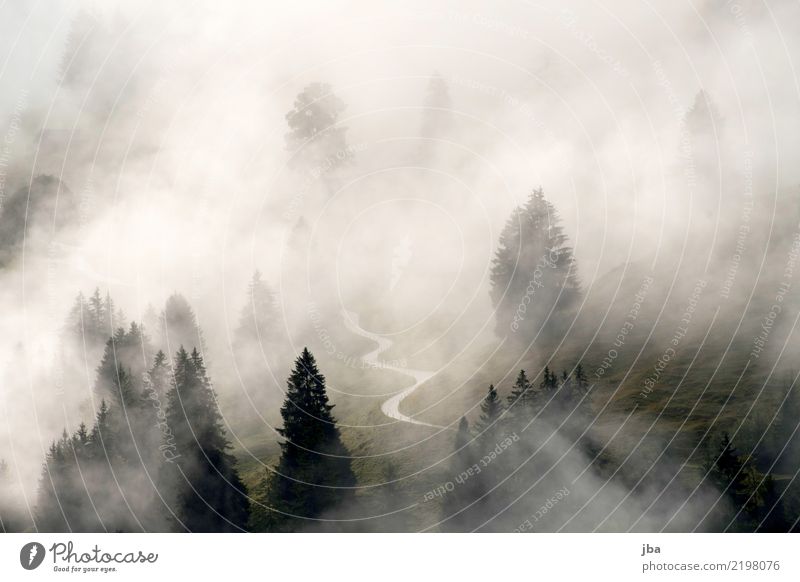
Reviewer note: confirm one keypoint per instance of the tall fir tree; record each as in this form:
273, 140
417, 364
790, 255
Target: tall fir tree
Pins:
533, 274
491, 411
580, 378
51, 504
575, 392
522, 402
97, 312
13, 517
84, 326
754, 501
313, 478
158, 375
121, 373
208, 493
106, 478
549, 381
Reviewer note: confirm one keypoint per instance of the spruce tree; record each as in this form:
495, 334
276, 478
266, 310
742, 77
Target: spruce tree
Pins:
784, 434
313, 478
94, 480
522, 402
5, 510
178, 326
580, 379
727, 464
50, 504
771, 515
108, 461
121, 373
533, 275
208, 493
13, 518
103, 438
549, 381
491, 410
67, 488
76, 324
158, 374
97, 313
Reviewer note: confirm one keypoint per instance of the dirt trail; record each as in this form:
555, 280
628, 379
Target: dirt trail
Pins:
390, 407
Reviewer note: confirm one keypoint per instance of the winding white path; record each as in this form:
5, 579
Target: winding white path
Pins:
391, 407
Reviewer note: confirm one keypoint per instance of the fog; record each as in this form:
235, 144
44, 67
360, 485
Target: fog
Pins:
145, 153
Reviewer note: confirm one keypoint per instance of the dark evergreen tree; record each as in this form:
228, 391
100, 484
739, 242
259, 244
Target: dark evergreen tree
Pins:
65, 498
50, 506
12, 516
491, 411
549, 381
121, 373
755, 504
158, 375
533, 275
85, 324
771, 514
726, 465
522, 402
462, 435
112, 469
580, 379
106, 478
571, 394
97, 313
87, 484
313, 478
208, 494
84, 338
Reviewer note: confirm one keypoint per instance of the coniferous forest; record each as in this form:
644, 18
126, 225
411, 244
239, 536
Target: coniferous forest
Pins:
252, 281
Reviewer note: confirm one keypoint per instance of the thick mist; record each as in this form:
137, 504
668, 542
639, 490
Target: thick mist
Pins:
149, 150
